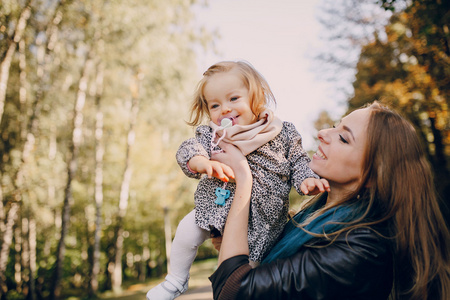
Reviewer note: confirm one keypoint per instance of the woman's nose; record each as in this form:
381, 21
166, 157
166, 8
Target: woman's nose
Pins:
323, 136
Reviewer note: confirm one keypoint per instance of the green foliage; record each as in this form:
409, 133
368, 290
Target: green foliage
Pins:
153, 39
409, 69
405, 63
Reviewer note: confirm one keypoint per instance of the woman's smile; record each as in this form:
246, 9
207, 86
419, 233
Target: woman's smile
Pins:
319, 154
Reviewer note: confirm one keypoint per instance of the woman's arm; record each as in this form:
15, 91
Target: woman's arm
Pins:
235, 240
358, 265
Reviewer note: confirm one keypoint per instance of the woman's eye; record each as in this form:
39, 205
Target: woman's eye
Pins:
343, 140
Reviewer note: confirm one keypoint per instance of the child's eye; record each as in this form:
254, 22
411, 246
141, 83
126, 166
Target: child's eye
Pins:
234, 98
214, 106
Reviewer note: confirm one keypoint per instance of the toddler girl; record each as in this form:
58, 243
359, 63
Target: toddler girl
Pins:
235, 98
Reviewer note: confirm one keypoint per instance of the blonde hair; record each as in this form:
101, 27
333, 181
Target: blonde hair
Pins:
260, 94
397, 179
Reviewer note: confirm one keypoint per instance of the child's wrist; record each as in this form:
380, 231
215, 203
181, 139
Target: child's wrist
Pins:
190, 170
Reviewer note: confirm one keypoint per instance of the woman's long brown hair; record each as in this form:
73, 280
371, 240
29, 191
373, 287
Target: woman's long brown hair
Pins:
397, 173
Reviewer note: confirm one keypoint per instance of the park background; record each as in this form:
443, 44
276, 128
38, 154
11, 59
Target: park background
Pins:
94, 96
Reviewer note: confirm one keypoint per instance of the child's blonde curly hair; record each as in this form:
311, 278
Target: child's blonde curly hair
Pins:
260, 94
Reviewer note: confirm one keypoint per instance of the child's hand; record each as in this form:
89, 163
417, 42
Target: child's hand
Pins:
211, 168
313, 186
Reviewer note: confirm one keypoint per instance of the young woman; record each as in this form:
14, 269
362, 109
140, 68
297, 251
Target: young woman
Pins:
377, 232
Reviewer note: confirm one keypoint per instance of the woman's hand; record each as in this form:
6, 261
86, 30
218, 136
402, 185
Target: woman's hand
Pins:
232, 157
217, 242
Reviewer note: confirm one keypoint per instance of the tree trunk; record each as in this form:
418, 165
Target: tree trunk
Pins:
439, 148
116, 276
32, 258
167, 235
98, 194
7, 240
6, 62
25, 254
17, 193
20, 260
55, 291
2, 211
145, 256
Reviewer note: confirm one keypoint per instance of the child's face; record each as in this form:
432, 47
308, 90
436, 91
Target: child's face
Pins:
227, 97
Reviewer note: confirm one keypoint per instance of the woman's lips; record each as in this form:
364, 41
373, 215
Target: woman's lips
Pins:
319, 154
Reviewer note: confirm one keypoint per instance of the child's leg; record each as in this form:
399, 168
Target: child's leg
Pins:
184, 246
184, 249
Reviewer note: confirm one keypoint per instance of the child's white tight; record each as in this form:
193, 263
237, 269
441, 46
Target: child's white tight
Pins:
184, 247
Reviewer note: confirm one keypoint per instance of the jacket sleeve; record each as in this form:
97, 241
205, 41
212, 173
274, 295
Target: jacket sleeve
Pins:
197, 145
355, 266
298, 158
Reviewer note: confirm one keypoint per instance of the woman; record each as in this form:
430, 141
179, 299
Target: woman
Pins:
376, 232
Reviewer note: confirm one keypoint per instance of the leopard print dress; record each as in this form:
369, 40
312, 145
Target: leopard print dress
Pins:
276, 166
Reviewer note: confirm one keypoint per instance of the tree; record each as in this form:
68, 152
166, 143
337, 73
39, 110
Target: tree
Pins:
98, 194
11, 48
125, 186
72, 165
410, 74
48, 151
347, 26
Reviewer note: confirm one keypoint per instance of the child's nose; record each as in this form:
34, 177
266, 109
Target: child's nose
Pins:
225, 109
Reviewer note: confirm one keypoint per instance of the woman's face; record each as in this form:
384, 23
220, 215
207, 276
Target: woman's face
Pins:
228, 97
340, 154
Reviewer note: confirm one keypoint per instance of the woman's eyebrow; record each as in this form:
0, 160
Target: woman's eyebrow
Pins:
346, 128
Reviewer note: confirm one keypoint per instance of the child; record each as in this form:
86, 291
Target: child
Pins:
235, 99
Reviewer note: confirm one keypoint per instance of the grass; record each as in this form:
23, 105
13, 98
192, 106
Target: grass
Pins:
200, 272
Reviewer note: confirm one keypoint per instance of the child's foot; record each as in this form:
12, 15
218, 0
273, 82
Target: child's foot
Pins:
167, 290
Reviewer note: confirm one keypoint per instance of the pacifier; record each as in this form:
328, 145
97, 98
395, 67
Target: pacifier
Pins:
221, 193
226, 122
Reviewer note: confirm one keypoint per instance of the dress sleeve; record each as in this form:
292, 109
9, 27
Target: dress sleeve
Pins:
355, 266
197, 145
298, 158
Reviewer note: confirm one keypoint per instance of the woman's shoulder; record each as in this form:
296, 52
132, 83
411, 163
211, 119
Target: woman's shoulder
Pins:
370, 240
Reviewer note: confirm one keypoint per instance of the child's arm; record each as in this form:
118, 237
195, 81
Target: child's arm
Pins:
313, 186
201, 164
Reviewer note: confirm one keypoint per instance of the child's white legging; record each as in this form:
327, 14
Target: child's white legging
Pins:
184, 247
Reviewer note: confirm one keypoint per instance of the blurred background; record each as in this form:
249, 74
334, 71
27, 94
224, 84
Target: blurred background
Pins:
94, 97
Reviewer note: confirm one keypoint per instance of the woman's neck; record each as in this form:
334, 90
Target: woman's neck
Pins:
338, 192
332, 199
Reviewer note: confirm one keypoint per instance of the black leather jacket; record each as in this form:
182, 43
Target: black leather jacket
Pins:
358, 265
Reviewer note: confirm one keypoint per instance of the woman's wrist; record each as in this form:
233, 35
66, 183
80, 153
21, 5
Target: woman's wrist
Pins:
243, 178
242, 171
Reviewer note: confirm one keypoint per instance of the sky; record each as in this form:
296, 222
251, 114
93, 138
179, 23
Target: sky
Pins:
279, 38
